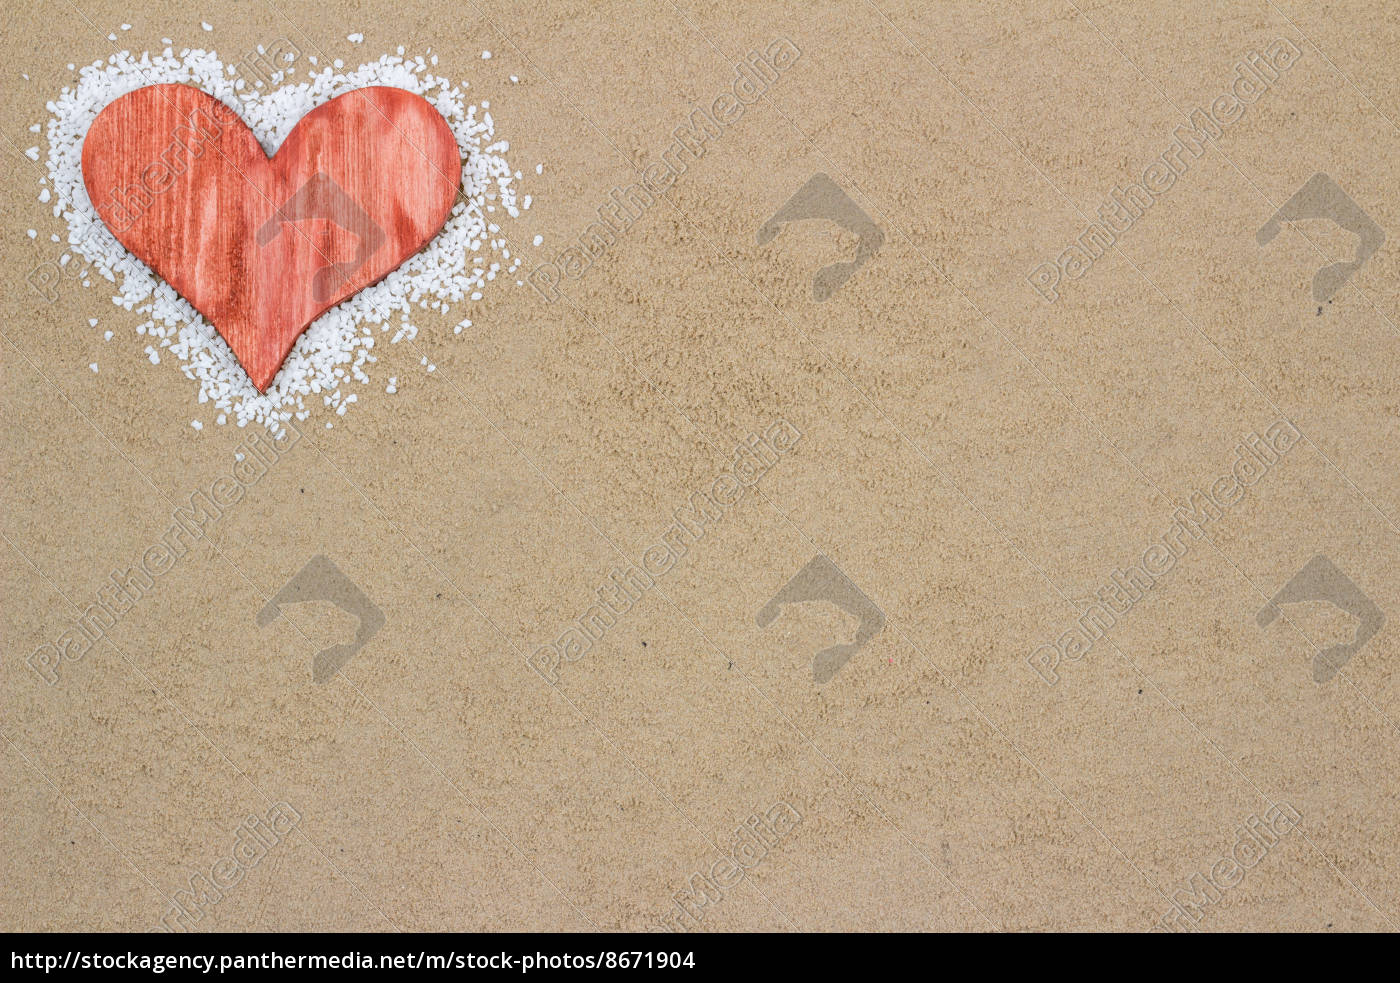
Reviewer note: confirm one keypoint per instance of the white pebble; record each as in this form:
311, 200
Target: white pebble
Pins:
196, 424
486, 56
206, 25
93, 366
539, 239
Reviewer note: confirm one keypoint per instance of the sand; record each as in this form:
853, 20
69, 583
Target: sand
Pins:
505, 735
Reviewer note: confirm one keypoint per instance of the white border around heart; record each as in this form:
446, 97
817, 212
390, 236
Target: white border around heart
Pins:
337, 351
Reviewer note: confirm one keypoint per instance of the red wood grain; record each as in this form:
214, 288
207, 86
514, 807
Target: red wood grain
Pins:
263, 246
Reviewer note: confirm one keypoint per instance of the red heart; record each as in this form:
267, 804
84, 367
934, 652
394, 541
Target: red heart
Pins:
263, 246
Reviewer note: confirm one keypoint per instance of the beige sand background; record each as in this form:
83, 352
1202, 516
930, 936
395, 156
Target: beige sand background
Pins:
975, 459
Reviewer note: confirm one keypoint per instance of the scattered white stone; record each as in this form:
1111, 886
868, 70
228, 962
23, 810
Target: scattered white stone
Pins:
93, 366
206, 25
356, 38
539, 240
196, 424
486, 56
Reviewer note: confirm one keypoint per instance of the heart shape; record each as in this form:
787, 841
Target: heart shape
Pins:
262, 246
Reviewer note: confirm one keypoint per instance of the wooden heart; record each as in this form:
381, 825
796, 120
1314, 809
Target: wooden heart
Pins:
262, 246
